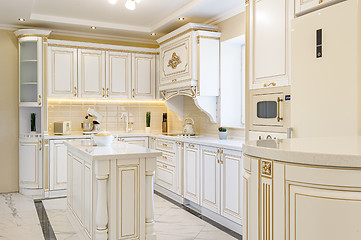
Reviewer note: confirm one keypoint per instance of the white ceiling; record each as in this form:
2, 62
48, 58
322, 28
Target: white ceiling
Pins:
114, 21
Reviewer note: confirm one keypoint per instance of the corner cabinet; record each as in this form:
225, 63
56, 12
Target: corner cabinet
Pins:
269, 43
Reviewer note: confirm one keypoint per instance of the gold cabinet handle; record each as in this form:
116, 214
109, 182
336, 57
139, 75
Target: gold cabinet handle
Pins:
174, 80
165, 166
191, 145
123, 140
165, 157
269, 84
220, 156
75, 92
103, 92
279, 100
39, 100
165, 145
133, 94
40, 146
320, 1
107, 92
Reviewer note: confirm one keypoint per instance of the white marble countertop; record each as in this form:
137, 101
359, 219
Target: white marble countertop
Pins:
118, 150
329, 152
233, 144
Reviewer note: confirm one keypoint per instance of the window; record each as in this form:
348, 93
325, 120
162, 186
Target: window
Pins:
232, 110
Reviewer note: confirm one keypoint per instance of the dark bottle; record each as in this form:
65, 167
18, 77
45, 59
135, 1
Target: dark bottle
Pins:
164, 123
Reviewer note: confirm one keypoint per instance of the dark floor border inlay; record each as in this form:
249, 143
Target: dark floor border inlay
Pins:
199, 215
48, 231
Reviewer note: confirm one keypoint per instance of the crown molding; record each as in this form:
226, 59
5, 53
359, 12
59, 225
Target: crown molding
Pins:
226, 15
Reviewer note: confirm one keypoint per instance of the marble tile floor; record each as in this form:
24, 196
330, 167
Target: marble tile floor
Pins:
19, 220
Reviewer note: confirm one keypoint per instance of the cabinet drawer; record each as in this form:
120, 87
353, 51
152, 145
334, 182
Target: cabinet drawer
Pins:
165, 145
165, 176
167, 158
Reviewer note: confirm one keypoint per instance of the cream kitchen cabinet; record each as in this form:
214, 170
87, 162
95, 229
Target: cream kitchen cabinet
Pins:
57, 165
269, 43
189, 58
30, 164
62, 72
221, 182
118, 74
141, 141
304, 6
192, 173
143, 76
91, 73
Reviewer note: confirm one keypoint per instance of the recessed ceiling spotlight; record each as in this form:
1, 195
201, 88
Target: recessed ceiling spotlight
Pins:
153, 34
112, 1
93, 28
21, 19
130, 4
181, 19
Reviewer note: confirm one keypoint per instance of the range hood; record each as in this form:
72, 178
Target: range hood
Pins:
189, 67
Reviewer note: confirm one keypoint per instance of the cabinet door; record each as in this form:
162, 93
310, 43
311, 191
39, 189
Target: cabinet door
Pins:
143, 79
62, 72
58, 165
231, 180
91, 73
176, 61
211, 179
30, 171
191, 173
118, 75
143, 142
269, 44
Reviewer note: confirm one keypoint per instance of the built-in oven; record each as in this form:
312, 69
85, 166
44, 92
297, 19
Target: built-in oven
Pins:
270, 110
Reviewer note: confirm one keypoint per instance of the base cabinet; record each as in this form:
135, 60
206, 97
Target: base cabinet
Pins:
30, 163
304, 202
192, 172
57, 165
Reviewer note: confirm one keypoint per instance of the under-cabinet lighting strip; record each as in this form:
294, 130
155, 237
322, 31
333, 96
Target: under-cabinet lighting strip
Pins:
103, 101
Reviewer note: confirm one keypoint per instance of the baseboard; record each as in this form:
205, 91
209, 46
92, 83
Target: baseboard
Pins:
36, 193
168, 193
56, 193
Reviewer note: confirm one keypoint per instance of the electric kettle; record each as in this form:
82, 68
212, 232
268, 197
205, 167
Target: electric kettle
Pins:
189, 127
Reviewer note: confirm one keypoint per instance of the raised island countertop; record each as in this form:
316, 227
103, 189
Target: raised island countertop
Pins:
118, 150
329, 152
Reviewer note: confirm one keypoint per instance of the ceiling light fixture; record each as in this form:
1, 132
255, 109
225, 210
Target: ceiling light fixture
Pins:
93, 28
130, 4
153, 34
113, 1
21, 19
181, 19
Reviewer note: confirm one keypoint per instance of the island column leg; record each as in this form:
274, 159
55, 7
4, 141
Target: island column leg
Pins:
101, 215
149, 206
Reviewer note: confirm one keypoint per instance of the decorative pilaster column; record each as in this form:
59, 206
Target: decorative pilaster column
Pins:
149, 206
101, 214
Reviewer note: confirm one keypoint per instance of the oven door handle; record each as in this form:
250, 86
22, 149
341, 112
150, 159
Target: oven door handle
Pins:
279, 100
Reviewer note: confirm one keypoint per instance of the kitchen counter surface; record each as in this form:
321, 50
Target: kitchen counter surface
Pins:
330, 152
233, 144
118, 150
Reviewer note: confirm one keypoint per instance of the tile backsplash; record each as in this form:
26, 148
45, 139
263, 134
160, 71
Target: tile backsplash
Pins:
75, 112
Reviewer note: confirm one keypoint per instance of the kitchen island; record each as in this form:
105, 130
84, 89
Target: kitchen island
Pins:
110, 190
302, 189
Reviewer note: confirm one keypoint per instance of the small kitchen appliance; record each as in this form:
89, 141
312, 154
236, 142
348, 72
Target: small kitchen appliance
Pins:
91, 125
62, 128
189, 127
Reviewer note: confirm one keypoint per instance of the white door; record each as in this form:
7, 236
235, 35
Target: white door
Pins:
143, 76
62, 72
191, 172
30, 171
118, 75
211, 179
231, 185
91, 73
58, 165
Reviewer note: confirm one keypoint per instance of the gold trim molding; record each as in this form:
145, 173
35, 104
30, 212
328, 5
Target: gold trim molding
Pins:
174, 61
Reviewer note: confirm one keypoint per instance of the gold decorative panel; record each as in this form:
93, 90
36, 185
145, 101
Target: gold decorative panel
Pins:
266, 168
174, 61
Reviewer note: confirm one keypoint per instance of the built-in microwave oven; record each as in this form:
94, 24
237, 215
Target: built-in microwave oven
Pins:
270, 111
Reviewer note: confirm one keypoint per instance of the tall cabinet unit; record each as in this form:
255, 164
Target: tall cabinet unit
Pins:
269, 43
31, 111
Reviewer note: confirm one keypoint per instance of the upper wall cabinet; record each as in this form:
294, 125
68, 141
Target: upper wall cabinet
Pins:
118, 75
91, 73
306, 6
143, 79
62, 72
189, 58
269, 43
